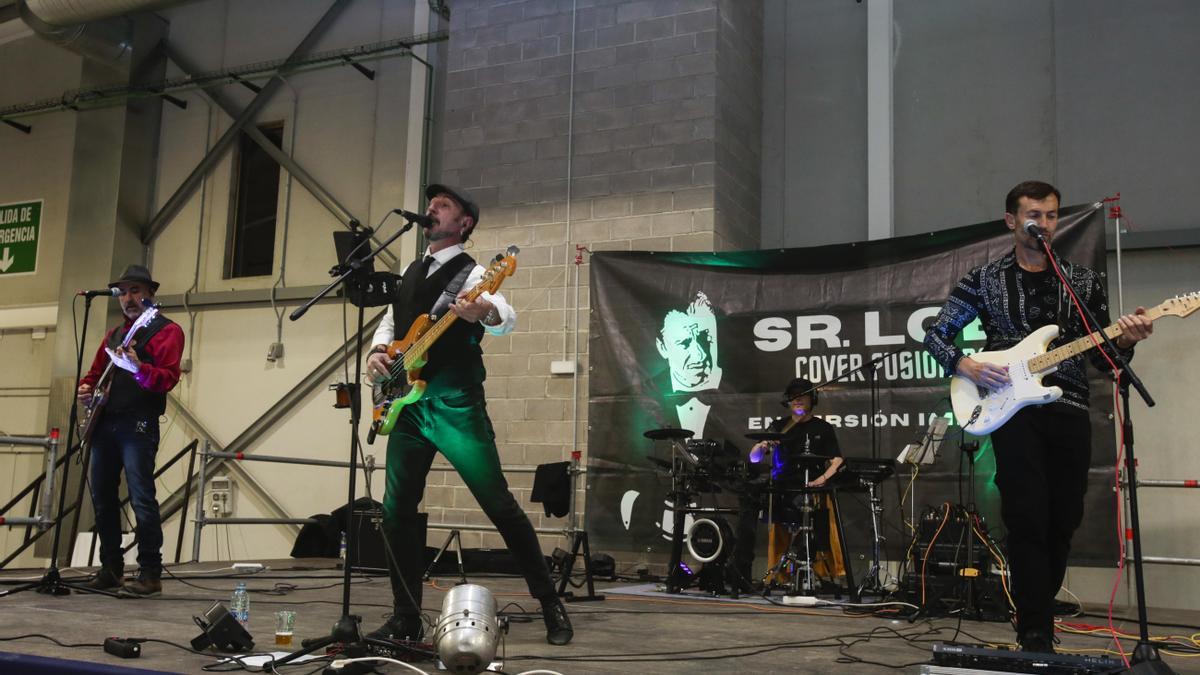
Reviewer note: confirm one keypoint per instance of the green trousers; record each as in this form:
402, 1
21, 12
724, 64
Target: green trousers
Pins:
456, 425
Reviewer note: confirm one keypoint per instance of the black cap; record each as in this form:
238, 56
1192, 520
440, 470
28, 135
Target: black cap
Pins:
136, 273
457, 194
797, 387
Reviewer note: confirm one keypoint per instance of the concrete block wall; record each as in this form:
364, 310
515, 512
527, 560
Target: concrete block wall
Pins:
739, 123
633, 168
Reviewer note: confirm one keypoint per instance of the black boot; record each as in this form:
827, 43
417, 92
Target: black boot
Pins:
1037, 640
558, 624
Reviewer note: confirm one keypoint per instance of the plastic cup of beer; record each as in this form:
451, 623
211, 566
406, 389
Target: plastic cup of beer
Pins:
285, 621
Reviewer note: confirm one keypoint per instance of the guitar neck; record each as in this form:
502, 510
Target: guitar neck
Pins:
105, 376
422, 345
1075, 347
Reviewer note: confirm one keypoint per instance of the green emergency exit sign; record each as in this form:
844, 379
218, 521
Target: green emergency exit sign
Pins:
20, 225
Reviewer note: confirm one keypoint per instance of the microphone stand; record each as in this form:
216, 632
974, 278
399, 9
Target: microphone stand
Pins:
869, 368
1145, 655
51, 582
346, 630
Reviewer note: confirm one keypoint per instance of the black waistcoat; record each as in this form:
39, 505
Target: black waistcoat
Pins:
455, 361
126, 395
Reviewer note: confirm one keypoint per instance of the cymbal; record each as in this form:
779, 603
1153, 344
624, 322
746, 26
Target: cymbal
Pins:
669, 434
807, 457
765, 436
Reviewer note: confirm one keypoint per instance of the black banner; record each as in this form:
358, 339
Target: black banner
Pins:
708, 341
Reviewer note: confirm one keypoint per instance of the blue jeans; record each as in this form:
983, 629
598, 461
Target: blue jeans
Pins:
130, 442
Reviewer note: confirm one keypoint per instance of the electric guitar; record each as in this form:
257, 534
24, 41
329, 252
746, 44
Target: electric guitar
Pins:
91, 412
409, 354
981, 410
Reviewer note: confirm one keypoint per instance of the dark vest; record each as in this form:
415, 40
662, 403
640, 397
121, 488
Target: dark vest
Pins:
455, 361
126, 395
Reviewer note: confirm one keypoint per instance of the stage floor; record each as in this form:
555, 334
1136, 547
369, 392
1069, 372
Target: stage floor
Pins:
644, 633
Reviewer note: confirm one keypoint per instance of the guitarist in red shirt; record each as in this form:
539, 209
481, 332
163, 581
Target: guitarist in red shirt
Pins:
125, 432
450, 418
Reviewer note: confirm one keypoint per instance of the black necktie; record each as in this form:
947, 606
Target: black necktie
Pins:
425, 265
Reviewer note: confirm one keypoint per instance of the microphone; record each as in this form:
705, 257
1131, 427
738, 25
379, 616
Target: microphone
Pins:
418, 218
1031, 228
114, 292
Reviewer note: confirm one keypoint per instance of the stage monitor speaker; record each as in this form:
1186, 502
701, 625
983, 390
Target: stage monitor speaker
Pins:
221, 630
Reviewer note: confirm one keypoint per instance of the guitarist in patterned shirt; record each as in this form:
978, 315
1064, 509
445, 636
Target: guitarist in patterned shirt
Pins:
125, 434
1044, 451
451, 418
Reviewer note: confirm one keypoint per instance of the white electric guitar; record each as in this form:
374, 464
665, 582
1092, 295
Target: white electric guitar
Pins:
981, 410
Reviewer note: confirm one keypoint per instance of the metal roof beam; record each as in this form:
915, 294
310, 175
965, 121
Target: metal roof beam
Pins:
184, 192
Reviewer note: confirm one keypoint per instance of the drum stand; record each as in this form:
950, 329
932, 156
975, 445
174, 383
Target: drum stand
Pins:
791, 560
871, 581
681, 495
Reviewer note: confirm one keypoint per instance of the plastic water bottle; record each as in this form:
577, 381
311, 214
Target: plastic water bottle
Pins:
240, 604
342, 549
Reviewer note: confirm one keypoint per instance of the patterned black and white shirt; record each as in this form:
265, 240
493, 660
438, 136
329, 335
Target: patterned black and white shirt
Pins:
1011, 303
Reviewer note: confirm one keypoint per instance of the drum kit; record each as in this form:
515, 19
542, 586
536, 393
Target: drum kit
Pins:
706, 467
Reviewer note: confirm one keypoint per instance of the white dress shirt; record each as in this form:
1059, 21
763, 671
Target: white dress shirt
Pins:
386, 332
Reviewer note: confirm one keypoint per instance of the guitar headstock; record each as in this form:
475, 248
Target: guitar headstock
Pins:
145, 318
503, 266
1181, 305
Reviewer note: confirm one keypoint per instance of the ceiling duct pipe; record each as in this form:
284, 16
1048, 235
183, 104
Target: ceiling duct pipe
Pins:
96, 29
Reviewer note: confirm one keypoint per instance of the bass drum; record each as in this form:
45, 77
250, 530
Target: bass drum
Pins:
710, 539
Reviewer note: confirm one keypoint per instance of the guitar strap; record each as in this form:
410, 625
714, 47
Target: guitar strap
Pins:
451, 292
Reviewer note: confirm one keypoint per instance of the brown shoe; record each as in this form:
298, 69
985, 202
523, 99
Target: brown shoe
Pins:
145, 586
107, 578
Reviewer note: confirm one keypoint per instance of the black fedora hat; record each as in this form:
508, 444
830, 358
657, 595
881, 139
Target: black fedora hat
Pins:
459, 195
136, 273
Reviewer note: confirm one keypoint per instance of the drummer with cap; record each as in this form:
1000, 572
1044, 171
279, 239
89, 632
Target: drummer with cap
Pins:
806, 444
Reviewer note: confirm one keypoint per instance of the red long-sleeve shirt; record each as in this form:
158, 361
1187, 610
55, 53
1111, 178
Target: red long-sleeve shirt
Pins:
165, 347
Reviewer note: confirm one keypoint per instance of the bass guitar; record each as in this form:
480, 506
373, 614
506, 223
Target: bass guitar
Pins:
404, 385
91, 412
981, 410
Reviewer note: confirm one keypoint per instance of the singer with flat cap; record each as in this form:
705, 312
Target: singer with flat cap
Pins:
125, 435
1044, 451
451, 418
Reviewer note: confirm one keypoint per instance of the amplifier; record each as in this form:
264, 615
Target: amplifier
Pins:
365, 549
949, 552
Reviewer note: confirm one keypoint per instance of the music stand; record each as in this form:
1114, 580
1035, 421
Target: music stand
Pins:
927, 450
917, 454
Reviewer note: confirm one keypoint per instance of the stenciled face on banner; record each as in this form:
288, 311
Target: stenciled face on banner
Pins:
688, 342
708, 343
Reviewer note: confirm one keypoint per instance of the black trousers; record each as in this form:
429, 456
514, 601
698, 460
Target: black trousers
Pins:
457, 426
1042, 458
